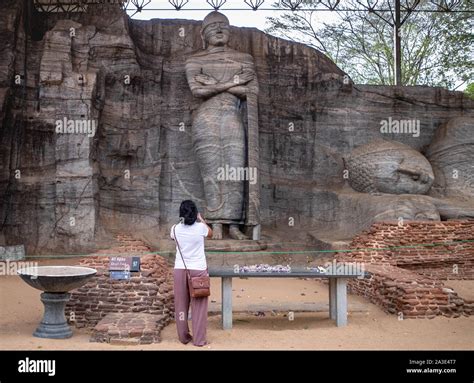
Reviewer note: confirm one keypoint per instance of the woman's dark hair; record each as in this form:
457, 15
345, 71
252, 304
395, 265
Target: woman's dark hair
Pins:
188, 212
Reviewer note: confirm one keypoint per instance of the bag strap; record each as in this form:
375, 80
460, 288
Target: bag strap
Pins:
179, 248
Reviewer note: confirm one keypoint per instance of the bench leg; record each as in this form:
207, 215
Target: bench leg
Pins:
341, 302
226, 303
332, 298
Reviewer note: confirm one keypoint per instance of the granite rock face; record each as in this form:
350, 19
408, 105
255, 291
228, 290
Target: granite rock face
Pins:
126, 160
451, 154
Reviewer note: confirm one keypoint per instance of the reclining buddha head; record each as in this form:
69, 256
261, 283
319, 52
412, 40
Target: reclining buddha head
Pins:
389, 167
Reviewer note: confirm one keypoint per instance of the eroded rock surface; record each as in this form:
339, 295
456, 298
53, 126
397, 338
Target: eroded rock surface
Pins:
67, 192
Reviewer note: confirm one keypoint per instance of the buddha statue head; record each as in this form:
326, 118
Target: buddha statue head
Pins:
215, 30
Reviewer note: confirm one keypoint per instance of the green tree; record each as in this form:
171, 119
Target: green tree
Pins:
470, 90
437, 48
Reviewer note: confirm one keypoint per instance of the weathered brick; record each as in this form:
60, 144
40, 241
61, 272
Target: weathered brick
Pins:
406, 278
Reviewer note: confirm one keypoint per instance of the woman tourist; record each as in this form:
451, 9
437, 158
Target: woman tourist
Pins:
189, 236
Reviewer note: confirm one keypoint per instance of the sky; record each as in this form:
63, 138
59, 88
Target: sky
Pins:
247, 18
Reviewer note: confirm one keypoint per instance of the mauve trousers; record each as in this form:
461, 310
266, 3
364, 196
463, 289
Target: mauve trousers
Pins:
181, 307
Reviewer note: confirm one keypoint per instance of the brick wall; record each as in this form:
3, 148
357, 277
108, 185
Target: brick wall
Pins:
414, 282
148, 291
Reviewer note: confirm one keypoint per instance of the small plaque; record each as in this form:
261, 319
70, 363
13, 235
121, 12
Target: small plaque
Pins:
135, 266
124, 263
120, 275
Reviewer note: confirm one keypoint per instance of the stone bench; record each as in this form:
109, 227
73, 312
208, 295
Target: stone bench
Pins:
337, 289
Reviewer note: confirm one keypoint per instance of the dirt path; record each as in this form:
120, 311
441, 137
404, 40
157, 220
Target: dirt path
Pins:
369, 327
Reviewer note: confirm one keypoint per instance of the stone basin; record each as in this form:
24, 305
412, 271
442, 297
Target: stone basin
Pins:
56, 282
56, 279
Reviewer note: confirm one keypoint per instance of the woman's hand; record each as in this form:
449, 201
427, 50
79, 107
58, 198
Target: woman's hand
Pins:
199, 217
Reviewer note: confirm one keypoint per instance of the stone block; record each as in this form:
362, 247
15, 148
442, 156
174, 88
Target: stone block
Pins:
12, 253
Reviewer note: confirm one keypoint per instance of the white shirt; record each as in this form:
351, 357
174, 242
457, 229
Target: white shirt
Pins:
191, 242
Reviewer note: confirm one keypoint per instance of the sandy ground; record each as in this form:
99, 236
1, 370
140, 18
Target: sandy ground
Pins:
368, 328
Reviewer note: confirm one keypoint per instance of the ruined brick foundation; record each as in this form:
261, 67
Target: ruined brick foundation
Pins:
414, 282
149, 291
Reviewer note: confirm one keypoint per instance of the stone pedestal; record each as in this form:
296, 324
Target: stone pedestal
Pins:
54, 325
